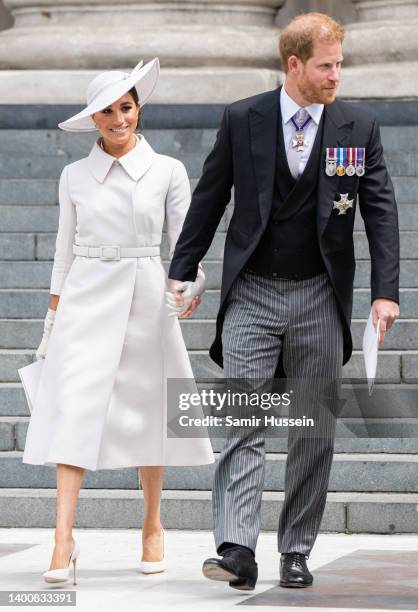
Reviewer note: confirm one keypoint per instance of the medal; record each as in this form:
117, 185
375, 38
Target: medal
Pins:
341, 162
360, 169
350, 170
299, 142
343, 205
331, 163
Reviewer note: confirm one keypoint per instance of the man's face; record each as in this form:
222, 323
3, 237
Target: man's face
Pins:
319, 78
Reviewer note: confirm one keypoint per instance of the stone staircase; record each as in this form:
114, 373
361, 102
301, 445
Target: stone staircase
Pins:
374, 482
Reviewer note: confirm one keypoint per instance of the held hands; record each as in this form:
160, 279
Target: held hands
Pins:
48, 324
387, 312
184, 297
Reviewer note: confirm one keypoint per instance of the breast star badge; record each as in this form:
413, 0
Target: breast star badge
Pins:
344, 204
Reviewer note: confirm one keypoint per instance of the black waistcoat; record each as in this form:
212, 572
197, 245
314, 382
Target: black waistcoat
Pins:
289, 246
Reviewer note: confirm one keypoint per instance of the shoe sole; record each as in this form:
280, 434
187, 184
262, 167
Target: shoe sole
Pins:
243, 584
214, 572
294, 585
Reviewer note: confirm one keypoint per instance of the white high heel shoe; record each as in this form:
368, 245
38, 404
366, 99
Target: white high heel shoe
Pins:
154, 567
63, 574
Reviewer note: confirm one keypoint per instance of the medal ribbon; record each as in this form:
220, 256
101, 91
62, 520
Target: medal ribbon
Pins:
361, 157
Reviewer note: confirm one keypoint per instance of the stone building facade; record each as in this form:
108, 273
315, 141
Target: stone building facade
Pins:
211, 52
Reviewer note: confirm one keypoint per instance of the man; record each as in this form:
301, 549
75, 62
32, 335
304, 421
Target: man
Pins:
297, 159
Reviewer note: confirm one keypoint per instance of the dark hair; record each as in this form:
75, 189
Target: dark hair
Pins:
134, 95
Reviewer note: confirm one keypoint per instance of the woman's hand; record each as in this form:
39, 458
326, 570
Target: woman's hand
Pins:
48, 325
184, 297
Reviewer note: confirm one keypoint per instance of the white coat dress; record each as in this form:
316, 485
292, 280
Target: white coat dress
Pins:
102, 400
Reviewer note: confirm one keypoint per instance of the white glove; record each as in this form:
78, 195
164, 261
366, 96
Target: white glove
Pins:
190, 290
48, 324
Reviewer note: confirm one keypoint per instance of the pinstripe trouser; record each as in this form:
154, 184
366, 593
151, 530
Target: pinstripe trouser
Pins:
265, 317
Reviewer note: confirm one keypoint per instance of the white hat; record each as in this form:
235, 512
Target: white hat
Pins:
108, 87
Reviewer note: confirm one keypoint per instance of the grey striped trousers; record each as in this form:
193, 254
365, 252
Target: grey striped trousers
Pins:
265, 317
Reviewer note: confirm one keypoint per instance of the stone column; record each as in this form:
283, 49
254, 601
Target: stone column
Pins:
381, 50
210, 50
6, 20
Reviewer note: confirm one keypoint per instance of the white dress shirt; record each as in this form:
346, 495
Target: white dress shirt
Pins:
288, 109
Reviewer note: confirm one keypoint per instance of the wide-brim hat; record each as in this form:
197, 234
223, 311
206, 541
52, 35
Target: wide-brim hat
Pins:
109, 86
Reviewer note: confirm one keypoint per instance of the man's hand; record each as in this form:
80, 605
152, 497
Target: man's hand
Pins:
385, 311
183, 297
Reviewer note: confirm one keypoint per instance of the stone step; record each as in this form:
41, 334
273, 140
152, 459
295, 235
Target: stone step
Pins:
399, 137
178, 141
14, 166
24, 246
29, 218
388, 411
37, 274
354, 472
44, 218
388, 369
41, 192
344, 512
393, 367
43, 153
199, 334
13, 431
33, 303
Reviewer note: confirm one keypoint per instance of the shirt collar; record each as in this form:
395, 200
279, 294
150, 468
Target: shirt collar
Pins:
136, 162
289, 107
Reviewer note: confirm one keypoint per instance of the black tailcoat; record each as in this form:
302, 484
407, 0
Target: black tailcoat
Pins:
244, 157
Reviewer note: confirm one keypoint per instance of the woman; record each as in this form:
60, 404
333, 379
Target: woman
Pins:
110, 341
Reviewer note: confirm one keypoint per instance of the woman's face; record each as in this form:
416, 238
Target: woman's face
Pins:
118, 122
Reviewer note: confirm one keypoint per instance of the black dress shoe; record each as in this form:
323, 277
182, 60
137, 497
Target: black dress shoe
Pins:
237, 566
294, 571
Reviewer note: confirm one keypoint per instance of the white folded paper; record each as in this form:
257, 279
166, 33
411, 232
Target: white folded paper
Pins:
30, 376
370, 350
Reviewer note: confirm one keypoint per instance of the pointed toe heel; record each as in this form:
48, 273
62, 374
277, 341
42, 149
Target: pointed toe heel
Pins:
154, 567
63, 574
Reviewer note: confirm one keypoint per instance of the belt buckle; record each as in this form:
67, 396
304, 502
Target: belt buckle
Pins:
106, 256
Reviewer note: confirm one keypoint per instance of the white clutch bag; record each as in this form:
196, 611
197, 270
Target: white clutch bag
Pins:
30, 376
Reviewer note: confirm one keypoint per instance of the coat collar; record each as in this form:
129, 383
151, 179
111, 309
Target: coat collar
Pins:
135, 163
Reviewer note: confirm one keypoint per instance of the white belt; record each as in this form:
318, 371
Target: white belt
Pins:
111, 253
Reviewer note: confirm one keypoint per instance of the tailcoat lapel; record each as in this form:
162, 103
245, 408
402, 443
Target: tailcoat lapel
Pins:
264, 123
336, 134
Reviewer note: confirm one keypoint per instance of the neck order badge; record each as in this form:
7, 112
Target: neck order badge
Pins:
299, 142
